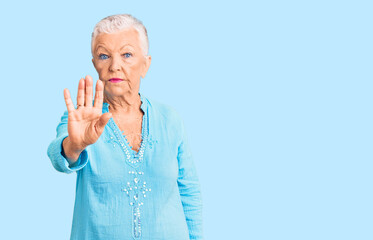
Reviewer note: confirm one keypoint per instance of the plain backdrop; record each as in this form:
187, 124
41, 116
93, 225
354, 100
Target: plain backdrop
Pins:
276, 97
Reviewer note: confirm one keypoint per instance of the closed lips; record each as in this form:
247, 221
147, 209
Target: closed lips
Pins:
115, 80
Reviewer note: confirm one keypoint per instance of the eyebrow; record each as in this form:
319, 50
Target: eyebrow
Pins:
98, 46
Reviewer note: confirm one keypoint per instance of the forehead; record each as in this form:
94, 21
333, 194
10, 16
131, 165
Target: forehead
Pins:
114, 41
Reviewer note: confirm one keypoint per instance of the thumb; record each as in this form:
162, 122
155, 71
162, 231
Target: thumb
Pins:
101, 123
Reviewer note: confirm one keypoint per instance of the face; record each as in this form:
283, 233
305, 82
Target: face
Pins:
119, 55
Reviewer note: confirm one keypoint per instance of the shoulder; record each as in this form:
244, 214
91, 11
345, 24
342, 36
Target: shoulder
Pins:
64, 117
168, 117
166, 111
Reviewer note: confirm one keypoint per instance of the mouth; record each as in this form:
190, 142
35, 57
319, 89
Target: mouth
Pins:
115, 80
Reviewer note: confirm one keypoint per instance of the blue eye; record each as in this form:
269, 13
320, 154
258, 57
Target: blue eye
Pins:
127, 55
103, 56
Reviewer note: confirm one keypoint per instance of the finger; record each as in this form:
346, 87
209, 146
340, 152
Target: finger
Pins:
88, 91
81, 89
99, 96
104, 119
68, 101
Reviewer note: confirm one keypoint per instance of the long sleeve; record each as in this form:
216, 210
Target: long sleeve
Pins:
189, 188
55, 152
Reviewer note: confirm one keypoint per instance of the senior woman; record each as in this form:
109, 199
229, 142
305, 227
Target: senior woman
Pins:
136, 178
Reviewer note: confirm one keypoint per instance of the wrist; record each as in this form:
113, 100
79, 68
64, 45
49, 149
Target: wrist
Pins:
70, 150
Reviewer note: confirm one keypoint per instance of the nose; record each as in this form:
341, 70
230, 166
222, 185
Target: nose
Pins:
115, 64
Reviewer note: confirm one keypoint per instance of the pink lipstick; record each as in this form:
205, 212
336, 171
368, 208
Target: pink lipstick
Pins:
115, 80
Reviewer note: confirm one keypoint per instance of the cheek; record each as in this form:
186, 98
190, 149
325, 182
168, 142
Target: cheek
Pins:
128, 69
135, 68
101, 67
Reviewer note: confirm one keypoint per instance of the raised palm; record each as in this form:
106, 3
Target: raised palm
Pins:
86, 123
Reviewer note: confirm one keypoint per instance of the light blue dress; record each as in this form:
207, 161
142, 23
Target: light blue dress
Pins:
121, 194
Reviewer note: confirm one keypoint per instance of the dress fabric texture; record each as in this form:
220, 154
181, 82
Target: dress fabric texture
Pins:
118, 196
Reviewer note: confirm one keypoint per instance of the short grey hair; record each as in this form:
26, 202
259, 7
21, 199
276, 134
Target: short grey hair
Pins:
118, 22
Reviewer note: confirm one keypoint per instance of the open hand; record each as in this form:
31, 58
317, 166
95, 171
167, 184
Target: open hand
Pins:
86, 123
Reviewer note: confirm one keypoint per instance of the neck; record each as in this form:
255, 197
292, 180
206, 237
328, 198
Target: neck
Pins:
128, 104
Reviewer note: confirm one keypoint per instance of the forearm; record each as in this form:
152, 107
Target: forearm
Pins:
191, 198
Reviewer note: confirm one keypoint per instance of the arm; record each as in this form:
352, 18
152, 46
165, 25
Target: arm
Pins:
189, 188
56, 152
79, 127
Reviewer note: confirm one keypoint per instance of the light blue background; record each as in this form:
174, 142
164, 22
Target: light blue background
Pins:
276, 97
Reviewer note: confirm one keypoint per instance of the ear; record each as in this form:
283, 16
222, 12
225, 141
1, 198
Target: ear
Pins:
146, 65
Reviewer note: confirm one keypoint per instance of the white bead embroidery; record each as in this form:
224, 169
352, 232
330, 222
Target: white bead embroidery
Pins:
136, 190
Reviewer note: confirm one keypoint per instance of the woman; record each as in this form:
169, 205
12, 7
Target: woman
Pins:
135, 173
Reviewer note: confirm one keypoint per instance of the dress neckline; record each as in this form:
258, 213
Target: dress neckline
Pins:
133, 157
